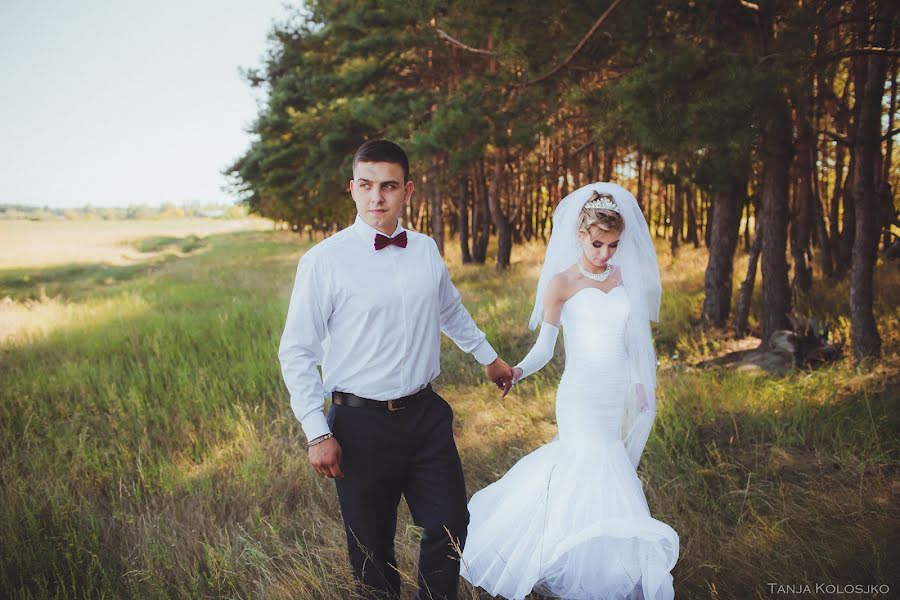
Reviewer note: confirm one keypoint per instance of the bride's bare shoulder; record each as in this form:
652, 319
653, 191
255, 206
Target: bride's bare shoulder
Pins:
561, 286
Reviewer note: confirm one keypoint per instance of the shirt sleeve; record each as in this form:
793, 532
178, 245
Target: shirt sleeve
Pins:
457, 323
301, 344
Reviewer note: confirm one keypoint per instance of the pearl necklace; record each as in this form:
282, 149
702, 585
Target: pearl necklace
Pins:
595, 276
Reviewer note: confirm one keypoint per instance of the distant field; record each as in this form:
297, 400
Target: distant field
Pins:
44, 243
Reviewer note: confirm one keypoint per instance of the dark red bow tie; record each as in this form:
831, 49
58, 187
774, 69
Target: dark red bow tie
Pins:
382, 241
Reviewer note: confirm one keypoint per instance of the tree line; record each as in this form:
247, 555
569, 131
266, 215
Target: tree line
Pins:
167, 210
768, 124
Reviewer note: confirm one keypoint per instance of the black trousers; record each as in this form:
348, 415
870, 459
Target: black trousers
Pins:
409, 452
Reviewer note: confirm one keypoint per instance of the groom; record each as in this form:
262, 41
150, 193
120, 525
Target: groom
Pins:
368, 305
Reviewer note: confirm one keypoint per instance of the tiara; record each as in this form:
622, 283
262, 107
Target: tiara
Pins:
605, 201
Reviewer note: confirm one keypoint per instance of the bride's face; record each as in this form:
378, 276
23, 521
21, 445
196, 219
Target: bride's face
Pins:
599, 248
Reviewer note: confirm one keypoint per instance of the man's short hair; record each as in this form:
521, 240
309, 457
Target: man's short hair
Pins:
382, 150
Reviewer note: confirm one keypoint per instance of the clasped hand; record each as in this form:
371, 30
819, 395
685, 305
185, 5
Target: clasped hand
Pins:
325, 458
501, 374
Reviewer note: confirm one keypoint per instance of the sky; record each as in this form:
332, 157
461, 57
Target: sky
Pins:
119, 102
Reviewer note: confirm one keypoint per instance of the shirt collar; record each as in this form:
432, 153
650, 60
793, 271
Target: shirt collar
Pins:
367, 233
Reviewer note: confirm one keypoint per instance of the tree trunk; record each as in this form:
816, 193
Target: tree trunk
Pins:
640, 181
408, 213
662, 213
746, 233
437, 214
801, 227
725, 222
776, 154
821, 237
884, 189
835, 206
609, 157
892, 108
649, 211
710, 209
840, 154
825, 260
742, 311
848, 222
867, 152
501, 221
677, 212
858, 74
481, 226
528, 213
690, 200
462, 203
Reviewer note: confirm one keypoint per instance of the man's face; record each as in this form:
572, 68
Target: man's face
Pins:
380, 194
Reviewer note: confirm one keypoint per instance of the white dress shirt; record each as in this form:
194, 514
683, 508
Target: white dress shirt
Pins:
372, 319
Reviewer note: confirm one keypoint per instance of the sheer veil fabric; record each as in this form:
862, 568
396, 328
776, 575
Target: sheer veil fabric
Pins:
570, 519
636, 259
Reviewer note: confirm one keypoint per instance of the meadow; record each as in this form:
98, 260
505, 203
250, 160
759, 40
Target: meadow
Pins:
148, 450
38, 243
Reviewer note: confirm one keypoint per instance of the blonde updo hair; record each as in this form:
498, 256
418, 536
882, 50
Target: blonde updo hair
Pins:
594, 221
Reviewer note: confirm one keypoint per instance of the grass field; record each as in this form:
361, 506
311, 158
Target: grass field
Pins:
45, 243
147, 448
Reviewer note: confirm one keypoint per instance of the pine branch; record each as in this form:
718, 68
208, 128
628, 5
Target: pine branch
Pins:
459, 44
847, 140
577, 49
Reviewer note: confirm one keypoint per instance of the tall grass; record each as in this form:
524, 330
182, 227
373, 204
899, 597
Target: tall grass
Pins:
147, 448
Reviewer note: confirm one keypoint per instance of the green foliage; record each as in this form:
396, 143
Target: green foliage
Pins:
687, 81
355, 70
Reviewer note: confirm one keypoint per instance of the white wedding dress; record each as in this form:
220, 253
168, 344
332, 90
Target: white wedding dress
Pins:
570, 520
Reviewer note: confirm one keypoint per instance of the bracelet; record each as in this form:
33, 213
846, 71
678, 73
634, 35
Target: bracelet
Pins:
319, 439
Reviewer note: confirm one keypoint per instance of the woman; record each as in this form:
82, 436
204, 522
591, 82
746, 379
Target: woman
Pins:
570, 519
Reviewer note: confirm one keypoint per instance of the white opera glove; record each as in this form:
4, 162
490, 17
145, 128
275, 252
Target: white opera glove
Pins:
541, 353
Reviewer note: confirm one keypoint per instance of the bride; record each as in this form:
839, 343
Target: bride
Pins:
570, 520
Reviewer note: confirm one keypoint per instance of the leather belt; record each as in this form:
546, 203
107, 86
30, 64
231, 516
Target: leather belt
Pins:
352, 400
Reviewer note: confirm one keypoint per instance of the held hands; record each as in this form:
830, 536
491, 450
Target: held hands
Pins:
516, 374
500, 373
514, 379
325, 458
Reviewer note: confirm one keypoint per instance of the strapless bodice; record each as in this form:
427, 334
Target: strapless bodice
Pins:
593, 324
590, 400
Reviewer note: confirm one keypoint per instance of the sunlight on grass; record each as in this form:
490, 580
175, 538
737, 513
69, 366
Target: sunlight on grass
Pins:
23, 323
149, 449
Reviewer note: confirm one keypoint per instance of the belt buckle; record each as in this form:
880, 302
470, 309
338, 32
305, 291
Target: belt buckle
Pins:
394, 407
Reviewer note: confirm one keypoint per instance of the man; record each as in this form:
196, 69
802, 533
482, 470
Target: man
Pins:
369, 304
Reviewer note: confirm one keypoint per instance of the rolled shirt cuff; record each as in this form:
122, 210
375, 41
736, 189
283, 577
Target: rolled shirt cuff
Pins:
314, 425
485, 353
